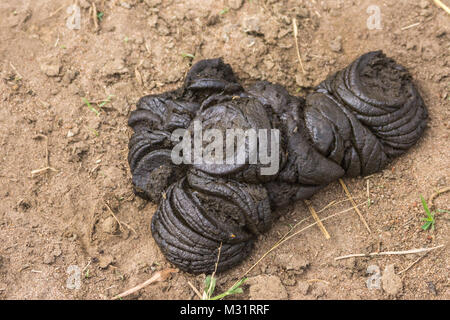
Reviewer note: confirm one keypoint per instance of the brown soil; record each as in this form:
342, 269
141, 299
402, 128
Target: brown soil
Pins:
52, 220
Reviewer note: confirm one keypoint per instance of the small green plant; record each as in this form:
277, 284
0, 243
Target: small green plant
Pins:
86, 101
187, 55
210, 285
104, 102
224, 10
95, 132
100, 105
429, 220
100, 16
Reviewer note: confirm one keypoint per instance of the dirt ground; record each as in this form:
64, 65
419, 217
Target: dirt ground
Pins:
56, 229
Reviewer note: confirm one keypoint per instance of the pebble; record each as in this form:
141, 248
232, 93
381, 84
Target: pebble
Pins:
73, 132
336, 44
252, 25
292, 262
302, 81
392, 283
117, 66
424, 4
125, 5
51, 69
110, 226
303, 287
105, 261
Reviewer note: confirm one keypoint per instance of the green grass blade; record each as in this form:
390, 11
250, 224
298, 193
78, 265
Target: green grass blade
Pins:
425, 206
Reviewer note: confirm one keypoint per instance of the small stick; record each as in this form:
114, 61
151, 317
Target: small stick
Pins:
410, 26
94, 15
286, 237
129, 227
47, 157
54, 12
294, 24
317, 280
15, 70
386, 253
354, 204
443, 6
157, 277
112, 213
412, 264
316, 217
118, 221
195, 290
437, 193
45, 169
205, 295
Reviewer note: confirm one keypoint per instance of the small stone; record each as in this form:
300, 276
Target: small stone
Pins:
392, 283
269, 64
73, 132
212, 19
283, 32
69, 76
288, 280
303, 81
266, 287
105, 261
424, 4
125, 5
163, 28
51, 69
426, 12
49, 258
252, 25
117, 66
320, 290
303, 287
57, 252
292, 262
110, 226
432, 287
336, 44
302, 13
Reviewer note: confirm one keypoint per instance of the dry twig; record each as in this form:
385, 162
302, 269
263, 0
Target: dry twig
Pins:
157, 277
94, 15
195, 290
47, 157
294, 24
436, 194
316, 218
344, 186
442, 5
286, 237
387, 253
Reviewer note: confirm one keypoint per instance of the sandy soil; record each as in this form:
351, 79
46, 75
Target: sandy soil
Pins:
55, 226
